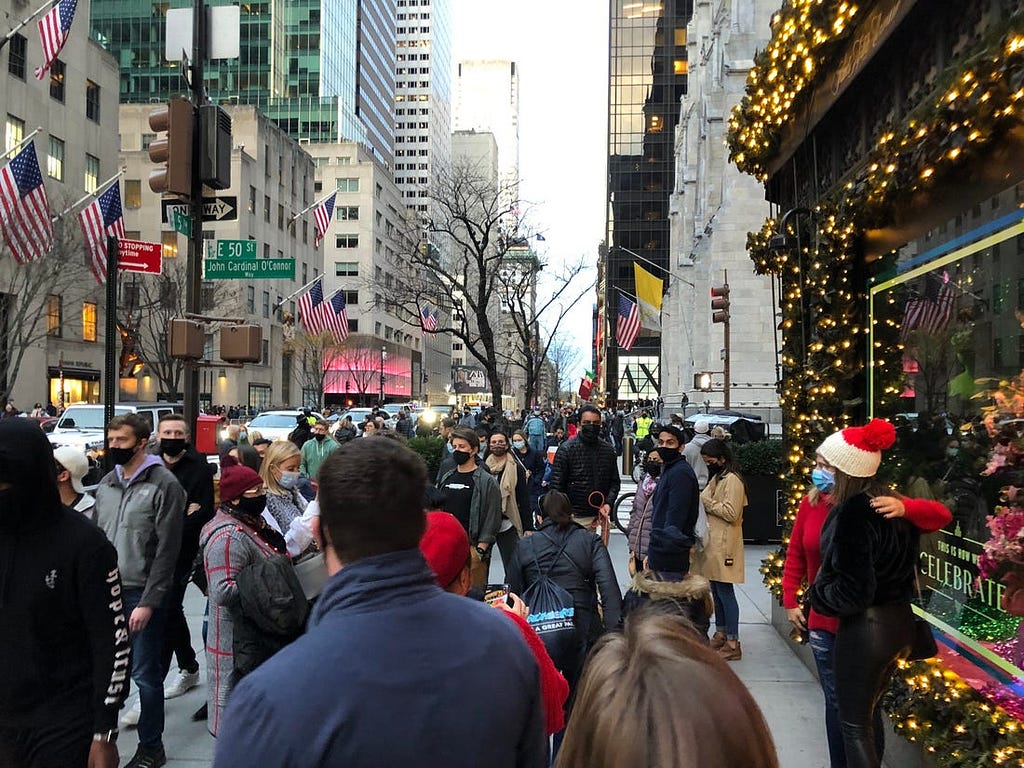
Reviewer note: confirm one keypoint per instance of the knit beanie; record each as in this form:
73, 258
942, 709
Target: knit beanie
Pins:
236, 480
857, 451
669, 550
701, 427
445, 546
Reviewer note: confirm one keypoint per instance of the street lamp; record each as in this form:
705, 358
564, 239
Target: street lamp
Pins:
383, 357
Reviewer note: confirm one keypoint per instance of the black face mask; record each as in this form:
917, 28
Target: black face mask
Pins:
652, 468
499, 450
121, 455
590, 432
460, 457
668, 455
252, 506
715, 469
320, 438
172, 446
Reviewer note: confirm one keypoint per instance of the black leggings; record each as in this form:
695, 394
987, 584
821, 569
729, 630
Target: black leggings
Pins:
867, 647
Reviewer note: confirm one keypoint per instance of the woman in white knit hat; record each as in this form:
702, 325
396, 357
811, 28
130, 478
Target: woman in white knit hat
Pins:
866, 579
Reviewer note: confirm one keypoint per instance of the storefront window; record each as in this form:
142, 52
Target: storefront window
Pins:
88, 321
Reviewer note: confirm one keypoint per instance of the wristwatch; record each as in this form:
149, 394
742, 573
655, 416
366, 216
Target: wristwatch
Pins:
108, 736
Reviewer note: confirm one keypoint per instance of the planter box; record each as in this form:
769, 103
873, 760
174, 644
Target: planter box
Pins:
762, 519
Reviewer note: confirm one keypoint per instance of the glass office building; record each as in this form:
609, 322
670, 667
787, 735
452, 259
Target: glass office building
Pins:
648, 75
375, 76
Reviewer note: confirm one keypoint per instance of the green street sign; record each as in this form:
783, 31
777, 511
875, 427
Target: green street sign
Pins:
182, 223
248, 269
236, 249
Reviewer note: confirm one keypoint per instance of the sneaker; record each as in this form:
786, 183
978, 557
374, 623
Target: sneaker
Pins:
148, 758
182, 683
131, 714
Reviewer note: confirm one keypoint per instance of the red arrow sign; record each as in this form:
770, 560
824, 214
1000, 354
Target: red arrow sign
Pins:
140, 256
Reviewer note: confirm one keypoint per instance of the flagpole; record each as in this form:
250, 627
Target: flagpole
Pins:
624, 293
97, 193
20, 144
308, 208
7, 38
656, 266
297, 291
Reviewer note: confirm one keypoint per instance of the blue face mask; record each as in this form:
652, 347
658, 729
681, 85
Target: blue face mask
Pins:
449, 447
823, 479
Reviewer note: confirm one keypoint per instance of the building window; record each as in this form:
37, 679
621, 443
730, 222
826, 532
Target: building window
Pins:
14, 132
16, 56
92, 173
348, 185
54, 315
346, 269
353, 326
259, 396
250, 300
305, 232
376, 329
266, 352
305, 274
92, 101
57, 72
133, 193
55, 160
169, 241
347, 212
351, 298
266, 303
346, 241
252, 199
88, 321
266, 208
266, 250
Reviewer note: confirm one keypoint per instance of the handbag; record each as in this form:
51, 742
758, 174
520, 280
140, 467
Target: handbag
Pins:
922, 645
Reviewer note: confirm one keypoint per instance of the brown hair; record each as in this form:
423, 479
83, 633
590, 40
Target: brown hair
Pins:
652, 695
175, 417
467, 434
138, 425
557, 508
847, 487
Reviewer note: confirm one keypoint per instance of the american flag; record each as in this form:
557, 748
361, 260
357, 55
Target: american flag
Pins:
322, 219
102, 217
24, 211
336, 317
54, 29
932, 311
310, 305
627, 326
430, 318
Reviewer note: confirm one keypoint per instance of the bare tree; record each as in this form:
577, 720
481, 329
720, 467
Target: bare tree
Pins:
310, 350
26, 318
359, 360
565, 357
452, 263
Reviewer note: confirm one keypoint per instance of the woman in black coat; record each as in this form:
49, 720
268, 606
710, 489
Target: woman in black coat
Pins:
867, 580
533, 462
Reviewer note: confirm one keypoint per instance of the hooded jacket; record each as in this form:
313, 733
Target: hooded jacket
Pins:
195, 474
63, 634
689, 597
142, 518
393, 671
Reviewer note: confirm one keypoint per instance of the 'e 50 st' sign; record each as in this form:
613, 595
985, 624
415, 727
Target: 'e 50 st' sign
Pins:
248, 269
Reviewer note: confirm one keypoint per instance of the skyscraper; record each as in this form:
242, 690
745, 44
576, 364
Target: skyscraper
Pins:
375, 75
487, 99
648, 74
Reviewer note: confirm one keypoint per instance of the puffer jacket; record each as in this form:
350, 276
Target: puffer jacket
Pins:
580, 469
639, 531
582, 569
866, 560
271, 611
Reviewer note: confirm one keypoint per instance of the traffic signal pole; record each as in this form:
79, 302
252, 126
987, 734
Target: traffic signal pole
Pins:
720, 314
194, 259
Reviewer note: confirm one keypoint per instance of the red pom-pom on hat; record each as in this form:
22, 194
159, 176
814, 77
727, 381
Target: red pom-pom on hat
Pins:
876, 435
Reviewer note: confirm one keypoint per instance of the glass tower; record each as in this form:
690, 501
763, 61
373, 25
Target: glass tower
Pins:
648, 71
375, 76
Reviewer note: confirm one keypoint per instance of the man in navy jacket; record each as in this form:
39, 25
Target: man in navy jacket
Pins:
675, 505
393, 670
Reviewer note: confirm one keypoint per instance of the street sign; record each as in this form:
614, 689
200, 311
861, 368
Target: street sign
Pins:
139, 256
236, 249
181, 223
214, 208
248, 269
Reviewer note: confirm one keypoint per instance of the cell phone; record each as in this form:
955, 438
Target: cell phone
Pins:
496, 594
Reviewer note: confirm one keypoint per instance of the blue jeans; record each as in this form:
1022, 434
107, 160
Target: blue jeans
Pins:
538, 443
147, 670
727, 610
822, 646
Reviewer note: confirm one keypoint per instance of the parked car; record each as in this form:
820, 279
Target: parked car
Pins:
277, 425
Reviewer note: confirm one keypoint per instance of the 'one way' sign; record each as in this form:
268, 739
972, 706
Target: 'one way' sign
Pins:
214, 209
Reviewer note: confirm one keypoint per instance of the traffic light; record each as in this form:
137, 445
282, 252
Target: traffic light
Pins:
720, 304
174, 150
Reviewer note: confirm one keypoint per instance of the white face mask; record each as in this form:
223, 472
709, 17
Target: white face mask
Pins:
289, 480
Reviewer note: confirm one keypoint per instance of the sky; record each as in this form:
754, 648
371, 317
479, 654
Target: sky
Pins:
561, 51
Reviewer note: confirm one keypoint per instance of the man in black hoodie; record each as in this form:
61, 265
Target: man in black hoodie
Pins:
195, 474
64, 642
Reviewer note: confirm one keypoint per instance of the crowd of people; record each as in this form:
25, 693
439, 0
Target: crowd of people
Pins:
352, 616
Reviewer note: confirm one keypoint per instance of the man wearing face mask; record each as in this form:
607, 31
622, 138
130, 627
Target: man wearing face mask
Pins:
316, 450
674, 507
586, 465
195, 474
140, 506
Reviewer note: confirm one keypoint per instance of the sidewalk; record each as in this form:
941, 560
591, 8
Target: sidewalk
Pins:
785, 690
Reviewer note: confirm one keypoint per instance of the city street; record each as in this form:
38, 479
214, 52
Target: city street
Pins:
786, 691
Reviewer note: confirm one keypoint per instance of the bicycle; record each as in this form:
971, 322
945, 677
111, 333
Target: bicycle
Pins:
622, 510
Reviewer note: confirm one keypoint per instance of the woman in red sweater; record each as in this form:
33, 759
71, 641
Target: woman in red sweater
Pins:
803, 558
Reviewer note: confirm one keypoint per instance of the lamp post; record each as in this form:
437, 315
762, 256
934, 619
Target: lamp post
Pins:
383, 357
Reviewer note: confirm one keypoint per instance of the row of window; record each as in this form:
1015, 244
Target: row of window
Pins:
412, 83
17, 66
413, 57
411, 126
422, 139
412, 180
14, 134
413, 16
55, 318
411, 111
412, 153
412, 166
414, 30
413, 71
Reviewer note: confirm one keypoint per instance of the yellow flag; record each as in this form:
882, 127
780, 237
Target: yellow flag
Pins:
649, 290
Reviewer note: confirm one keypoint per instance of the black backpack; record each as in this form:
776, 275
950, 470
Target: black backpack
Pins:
553, 615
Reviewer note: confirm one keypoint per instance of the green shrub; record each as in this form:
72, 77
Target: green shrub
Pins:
431, 449
763, 457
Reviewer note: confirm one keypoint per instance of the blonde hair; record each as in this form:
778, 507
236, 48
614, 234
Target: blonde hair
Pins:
720, 433
277, 454
652, 695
